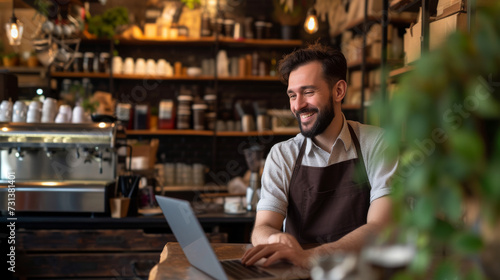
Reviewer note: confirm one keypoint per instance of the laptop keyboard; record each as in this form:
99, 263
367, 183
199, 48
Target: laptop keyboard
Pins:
237, 270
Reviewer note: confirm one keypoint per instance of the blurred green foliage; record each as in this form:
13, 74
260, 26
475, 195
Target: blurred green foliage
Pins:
444, 121
104, 26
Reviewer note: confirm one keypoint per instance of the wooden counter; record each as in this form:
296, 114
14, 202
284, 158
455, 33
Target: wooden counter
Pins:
174, 264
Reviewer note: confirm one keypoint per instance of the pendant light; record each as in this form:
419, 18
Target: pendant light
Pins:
311, 24
14, 29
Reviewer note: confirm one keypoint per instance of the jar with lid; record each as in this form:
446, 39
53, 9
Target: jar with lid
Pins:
184, 119
210, 119
141, 116
124, 114
88, 62
185, 102
77, 65
104, 62
211, 101
199, 116
166, 115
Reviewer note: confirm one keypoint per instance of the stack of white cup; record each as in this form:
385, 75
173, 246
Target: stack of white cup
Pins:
49, 110
19, 112
34, 112
6, 111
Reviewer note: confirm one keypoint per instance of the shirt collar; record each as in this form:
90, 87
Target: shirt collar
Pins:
344, 137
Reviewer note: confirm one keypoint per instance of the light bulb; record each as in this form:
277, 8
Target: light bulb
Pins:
311, 24
14, 32
14, 29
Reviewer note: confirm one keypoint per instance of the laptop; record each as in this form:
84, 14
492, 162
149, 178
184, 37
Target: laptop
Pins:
199, 252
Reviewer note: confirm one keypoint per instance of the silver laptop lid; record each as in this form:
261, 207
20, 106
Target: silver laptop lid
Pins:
190, 235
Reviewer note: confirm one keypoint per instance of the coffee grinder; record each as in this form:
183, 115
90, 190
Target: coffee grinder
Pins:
253, 155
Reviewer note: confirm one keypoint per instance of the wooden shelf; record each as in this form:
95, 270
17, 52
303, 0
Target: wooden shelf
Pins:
156, 77
190, 132
80, 75
250, 78
259, 43
396, 73
161, 41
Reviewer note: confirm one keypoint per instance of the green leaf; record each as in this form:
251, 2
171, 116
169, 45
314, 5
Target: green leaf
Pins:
447, 271
424, 213
467, 243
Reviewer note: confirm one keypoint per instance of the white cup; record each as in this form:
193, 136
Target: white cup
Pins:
150, 67
49, 110
128, 66
19, 112
140, 66
34, 114
66, 111
60, 118
161, 67
6, 111
117, 65
78, 114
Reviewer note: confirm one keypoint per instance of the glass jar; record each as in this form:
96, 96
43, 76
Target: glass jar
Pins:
185, 102
199, 116
184, 119
104, 63
211, 101
77, 62
166, 115
88, 62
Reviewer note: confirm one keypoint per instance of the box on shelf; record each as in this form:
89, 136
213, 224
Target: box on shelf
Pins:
440, 29
444, 5
145, 150
412, 43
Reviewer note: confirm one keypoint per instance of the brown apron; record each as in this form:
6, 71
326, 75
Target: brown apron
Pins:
326, 203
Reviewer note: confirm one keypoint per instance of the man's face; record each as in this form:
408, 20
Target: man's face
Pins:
310, 99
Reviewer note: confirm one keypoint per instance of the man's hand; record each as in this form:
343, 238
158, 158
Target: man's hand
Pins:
283, 238
278, 251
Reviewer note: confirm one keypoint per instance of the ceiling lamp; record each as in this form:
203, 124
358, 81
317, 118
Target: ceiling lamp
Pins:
311, 24
14, 29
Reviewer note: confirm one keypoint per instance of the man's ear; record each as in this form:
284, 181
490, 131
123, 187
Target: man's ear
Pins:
340, 90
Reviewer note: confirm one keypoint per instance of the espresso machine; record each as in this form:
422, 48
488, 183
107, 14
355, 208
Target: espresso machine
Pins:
57, 167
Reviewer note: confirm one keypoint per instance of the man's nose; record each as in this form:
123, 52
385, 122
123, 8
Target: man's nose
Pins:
299, 102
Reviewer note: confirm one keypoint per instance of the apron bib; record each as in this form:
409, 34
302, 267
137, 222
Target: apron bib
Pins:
326, 203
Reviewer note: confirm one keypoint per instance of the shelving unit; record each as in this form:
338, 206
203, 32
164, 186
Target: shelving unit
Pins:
207, 141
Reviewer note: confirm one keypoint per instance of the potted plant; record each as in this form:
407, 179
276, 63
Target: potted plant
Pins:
289, 14
443, 120
106, 25
10, 59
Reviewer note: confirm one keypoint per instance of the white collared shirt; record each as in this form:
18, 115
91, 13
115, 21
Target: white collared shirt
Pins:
281, 159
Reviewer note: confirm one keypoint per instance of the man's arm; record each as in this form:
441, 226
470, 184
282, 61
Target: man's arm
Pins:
266, 224
379, 216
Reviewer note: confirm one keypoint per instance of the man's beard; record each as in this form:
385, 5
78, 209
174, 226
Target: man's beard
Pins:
323, 119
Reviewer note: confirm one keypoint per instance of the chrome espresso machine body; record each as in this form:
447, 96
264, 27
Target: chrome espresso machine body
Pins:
57, 167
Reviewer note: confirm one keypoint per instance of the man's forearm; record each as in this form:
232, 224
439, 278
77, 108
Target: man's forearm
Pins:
260, 234
353, 241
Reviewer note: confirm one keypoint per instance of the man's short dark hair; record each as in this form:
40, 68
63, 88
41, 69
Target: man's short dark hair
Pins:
333, 62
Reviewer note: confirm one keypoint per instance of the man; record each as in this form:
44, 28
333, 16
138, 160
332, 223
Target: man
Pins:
314, 180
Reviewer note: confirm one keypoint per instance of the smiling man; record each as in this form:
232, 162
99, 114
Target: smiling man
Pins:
328, 185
